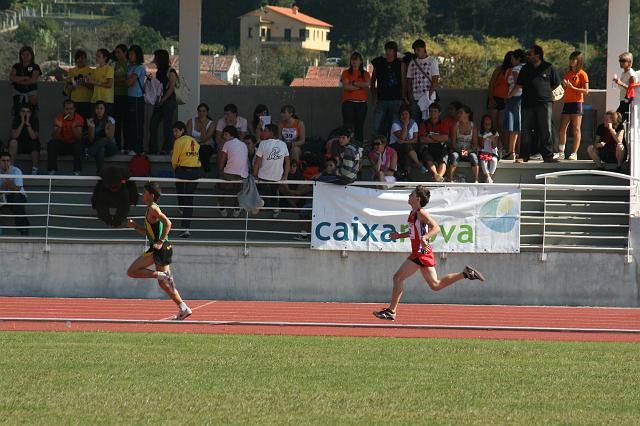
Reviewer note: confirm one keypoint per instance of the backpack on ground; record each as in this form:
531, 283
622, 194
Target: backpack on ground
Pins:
181, 90
140, 166
152, 90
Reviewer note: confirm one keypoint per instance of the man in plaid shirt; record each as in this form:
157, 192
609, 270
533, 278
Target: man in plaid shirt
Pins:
422, 78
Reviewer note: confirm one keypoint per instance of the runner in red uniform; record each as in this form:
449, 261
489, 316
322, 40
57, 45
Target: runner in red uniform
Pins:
421, 228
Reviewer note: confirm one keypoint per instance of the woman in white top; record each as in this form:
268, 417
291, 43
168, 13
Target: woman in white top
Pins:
464, 143
201, 128
488, 142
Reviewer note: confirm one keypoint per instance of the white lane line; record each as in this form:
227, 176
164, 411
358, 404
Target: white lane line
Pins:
331, 324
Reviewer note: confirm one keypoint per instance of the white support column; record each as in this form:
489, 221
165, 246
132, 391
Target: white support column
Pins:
617, 42
190, 40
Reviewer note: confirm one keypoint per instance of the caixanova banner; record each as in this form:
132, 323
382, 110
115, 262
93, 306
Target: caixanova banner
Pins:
472, 219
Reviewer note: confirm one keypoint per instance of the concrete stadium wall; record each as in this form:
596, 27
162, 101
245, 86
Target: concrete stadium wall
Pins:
268, 273
318, 107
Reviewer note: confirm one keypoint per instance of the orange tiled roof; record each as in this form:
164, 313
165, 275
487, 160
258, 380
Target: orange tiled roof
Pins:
301, 17
319, 77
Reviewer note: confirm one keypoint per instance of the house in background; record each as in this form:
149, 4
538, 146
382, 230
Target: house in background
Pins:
271, 26
226, 67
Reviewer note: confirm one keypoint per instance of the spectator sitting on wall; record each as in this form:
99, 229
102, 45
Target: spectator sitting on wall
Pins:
384, 160
230, 118
24, 77
488, 142
609, 143
261, 117
271, 165
101, 135
13, 191
452, 113
66, 138
464, 141
252, 144
233, 164
348, 162
292, 131
24, 137
434, 136
404, 139
77, 87
201, 129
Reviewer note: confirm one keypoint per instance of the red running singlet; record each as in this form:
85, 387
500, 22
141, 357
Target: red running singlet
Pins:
419, 255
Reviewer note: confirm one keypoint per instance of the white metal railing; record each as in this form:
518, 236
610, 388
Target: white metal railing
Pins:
575, 217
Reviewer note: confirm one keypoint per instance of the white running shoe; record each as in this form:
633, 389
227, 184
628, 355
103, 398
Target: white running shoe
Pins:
182, 314
489, 180
35, 170
573, 156
536, 157
560, 156
164, 276
236, 212
224, 212
276, 213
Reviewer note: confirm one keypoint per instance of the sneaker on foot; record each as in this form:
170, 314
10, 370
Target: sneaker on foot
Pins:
52, 172
472, 274
302, 236
573, 156
132, 152
184, 234
276, 213
182, 314
76, 173
560, 156
164, 276
236, 212
536, 157
224, 212
35, 170
489, 180
437, 178
385, 314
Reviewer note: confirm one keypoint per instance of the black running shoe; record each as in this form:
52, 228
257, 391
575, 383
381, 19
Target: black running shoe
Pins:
472, 274
385, 314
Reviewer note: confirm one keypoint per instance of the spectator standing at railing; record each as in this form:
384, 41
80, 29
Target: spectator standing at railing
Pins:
201, 128
233, 164
387, 89
230, 118
434, 136
422, 79
186, 165
25, 137
24, 77
609, 143
271, 165
292, 131
66, 138
576, 85
164, 110
538, 78
14, 193
134, 122
498, 91
101, 135
355, 81
513, 114
120, 90
77, 86
101, 79
628, 78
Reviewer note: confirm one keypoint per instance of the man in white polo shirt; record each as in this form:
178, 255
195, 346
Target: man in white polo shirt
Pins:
271, 165
12, 190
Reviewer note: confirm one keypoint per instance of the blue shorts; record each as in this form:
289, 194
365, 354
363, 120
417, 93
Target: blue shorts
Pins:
455, 157
513, 115
573, 108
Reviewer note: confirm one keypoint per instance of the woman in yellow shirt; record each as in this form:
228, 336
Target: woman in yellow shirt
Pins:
102, 80
185, 161
76, 85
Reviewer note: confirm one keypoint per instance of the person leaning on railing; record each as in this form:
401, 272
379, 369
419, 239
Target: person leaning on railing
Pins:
185, 161
271, 165
13, 191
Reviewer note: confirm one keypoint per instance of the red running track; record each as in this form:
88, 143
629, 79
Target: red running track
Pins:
329, 319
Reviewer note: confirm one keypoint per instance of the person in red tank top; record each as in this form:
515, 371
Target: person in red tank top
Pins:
421, 228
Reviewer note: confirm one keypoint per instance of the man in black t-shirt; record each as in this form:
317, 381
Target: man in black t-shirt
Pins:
537, 79
386, 88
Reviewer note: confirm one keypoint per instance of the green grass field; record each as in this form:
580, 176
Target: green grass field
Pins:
124, 378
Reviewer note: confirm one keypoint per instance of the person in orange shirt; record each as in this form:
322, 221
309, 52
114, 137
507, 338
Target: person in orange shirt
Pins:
499, 91
355, 81
576, 85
